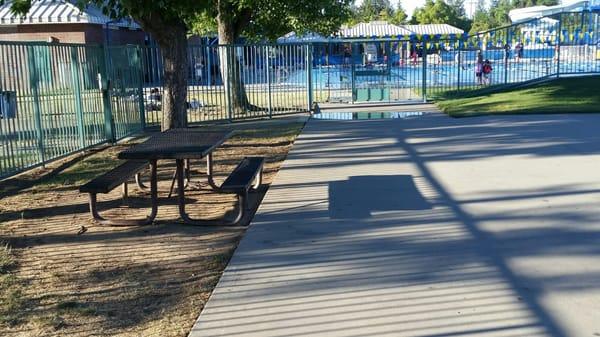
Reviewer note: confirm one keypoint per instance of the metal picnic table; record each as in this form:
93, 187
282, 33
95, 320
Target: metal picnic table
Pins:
179, 145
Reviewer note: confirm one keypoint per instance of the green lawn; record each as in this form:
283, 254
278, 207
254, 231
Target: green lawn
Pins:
565, 95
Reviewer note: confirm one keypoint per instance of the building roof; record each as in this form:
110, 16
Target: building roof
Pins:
59, 12
434, 29
383, 29
373, 29
292, 37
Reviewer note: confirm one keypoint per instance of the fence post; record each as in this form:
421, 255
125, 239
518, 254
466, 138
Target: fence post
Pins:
75, 74
139, 65
558, 38
309, 77
424, 81
352, 78
34, 80
506, 57
459, 68
227, 78
268, 67
104, 79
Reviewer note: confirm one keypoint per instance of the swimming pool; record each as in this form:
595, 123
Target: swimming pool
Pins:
440, 75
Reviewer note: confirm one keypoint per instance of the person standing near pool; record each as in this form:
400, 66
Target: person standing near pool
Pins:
487, 72
518, 52
506, 53
479, 67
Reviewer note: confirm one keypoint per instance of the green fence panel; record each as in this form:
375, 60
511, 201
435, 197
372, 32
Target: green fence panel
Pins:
125, 73
50, 103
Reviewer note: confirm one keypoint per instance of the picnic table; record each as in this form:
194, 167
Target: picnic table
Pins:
179, 145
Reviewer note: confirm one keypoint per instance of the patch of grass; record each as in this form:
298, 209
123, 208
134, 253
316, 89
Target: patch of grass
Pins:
565, 95
11, 295
82, 171
7, 260
75, 308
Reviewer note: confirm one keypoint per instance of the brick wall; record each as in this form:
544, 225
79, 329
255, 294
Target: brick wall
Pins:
69, 33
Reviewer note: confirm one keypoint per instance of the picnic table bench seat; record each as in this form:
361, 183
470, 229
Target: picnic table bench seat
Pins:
115, 177
247, 175
108, 182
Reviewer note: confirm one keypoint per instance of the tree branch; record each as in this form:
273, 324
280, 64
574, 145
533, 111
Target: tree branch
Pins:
242, 21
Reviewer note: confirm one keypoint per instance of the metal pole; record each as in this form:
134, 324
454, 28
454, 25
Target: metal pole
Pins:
309, 77
109, 121
227, 78
34, 79
424, 79
140, 70
459, 68
558, 39
506, 55
268, 67
352, 78
75, 71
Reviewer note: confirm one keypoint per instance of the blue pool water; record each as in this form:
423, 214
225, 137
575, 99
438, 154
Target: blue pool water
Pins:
340, 77
368, 115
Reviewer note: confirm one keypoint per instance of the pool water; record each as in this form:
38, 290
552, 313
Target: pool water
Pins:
368, 115
339, 77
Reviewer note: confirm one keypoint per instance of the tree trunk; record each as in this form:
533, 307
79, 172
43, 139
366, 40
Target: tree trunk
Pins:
228, 62
175, 85
172, 39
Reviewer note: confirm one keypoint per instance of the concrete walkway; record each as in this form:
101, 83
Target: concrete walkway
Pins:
426, 226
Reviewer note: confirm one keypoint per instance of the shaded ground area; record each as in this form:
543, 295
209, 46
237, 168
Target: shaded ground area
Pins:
66, 276
426, 226
565, 95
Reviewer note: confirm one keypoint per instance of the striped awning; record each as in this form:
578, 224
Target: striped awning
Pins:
292, 37
59, 12
373, 29
434, 29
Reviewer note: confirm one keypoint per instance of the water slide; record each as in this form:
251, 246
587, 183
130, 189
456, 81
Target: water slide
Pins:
524, 14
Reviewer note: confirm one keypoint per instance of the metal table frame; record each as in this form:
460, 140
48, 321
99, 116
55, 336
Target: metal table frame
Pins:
185, 153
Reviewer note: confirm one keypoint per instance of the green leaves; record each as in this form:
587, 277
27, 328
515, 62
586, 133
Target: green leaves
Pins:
439, 11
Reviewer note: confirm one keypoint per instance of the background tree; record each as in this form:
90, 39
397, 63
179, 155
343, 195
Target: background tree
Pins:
438, 11
372, 10
481, 18
529, 3
499, 12
458, 6
399, 17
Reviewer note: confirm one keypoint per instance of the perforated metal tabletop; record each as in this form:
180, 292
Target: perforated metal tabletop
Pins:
177, 144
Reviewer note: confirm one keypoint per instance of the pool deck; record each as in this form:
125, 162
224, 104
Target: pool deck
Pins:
425, 226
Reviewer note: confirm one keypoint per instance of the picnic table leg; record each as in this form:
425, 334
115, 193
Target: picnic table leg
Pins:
181, 201
131, 222
209, 172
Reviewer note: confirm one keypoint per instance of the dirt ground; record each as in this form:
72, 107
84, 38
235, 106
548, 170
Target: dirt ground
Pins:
63, 275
